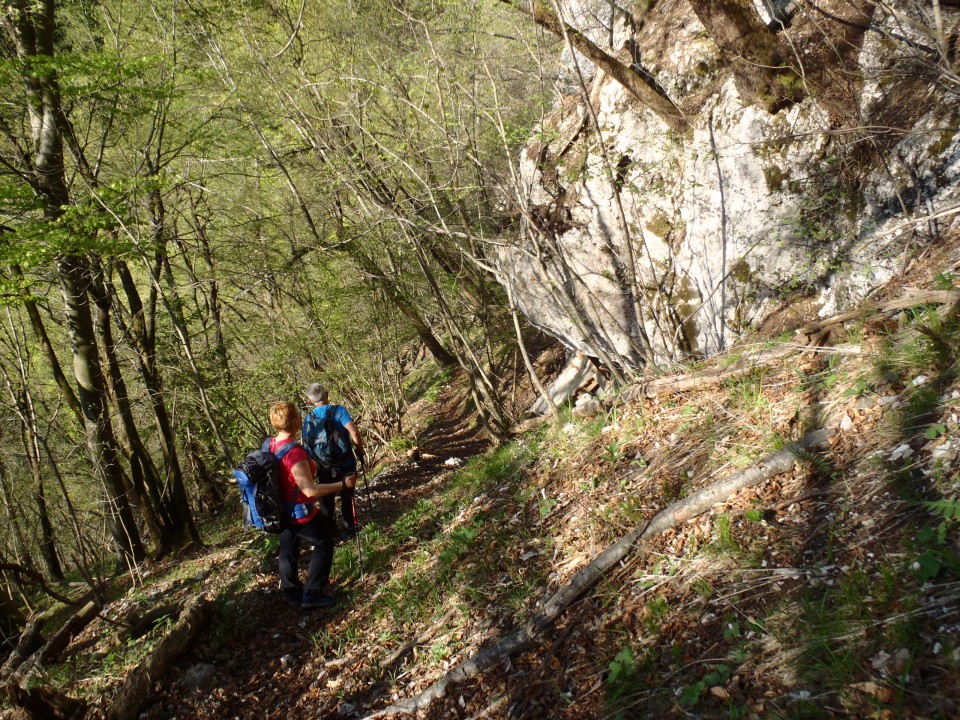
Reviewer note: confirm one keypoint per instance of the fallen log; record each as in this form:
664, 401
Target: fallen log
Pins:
912, 299
30, 641
126, 703
812, 335
40, 703
672, 516
57, 642
140, 625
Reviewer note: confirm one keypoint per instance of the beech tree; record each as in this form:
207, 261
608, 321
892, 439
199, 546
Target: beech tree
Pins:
41, 165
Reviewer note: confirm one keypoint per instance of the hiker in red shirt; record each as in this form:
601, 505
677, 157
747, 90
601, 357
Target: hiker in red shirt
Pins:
304, 522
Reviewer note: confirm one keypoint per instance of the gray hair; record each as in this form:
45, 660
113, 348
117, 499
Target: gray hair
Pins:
317, 393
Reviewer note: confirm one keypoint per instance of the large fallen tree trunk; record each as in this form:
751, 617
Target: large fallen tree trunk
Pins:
135, 688
56, 643
672, 516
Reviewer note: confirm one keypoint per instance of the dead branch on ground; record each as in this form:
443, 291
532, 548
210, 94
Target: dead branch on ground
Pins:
674, 515
126, 703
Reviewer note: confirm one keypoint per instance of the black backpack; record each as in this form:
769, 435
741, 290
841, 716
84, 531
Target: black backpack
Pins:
326, 440
258, 478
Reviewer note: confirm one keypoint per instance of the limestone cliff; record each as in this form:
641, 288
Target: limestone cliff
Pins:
640, 243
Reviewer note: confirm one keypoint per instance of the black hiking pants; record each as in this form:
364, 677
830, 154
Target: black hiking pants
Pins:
348, 507
318, 532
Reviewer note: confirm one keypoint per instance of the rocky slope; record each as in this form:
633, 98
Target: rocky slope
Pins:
640, 243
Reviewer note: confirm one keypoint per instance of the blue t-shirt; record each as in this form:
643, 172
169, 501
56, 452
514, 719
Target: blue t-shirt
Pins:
340, 414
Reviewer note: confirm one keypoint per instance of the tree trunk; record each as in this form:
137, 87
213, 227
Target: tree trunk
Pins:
172, 305
390, 290
142, 337
758, 56
100, 441
33, 29
48, 545
20, 547
146, 482
640, 84
39, 329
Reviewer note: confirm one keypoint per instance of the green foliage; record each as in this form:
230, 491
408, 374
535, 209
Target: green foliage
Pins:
622, 680
546, 506
723, 541
691, 694
613, 453
945, 280
932, 550
658, 608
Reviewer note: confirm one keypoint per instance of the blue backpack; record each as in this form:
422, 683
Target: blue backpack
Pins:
258, 478
326, 440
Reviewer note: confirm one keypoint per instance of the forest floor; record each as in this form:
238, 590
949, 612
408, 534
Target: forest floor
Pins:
830, 589
265, 655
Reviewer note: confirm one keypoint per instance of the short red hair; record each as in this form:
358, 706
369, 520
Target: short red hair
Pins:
285, 417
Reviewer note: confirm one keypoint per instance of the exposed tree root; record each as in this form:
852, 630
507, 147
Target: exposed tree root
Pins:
392, 658
40, 703
126, 703
811, 336
677, 513
29, 643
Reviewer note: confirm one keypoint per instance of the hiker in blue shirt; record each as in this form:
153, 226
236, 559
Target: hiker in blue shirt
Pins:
333, 440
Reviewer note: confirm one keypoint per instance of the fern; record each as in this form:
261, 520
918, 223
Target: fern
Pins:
948, 508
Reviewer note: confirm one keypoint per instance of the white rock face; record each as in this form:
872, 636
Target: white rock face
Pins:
649, 244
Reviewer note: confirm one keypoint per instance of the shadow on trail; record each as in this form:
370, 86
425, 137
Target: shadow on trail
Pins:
386, 495
252, 661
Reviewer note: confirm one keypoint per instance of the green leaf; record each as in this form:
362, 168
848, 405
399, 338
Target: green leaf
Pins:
929, 566
622, 666
718, 677
691, 693
935, 431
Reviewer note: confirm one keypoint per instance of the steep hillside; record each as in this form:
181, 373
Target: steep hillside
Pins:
826, 586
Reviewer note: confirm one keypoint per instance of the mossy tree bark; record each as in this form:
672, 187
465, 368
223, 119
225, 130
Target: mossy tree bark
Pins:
32, 28
760, 60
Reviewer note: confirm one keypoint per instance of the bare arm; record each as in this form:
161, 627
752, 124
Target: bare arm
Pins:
355, 437
304, 480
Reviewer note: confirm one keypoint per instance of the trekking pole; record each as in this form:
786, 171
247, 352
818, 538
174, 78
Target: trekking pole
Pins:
356, 531
366, 487
359, 553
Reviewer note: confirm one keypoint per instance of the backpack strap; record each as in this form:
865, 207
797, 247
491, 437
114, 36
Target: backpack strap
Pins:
281, 450
285, 448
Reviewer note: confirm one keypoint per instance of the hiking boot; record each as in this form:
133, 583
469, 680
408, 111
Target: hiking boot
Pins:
294, 595
311, 602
